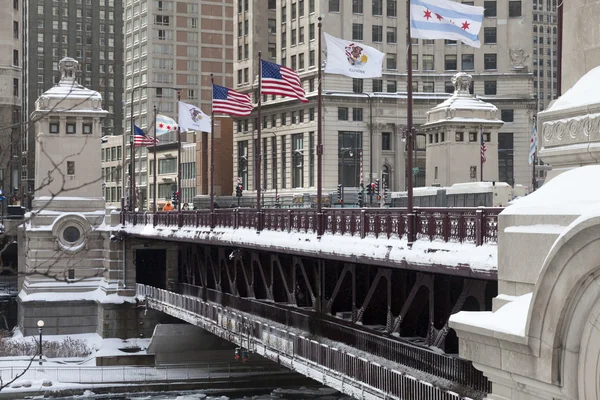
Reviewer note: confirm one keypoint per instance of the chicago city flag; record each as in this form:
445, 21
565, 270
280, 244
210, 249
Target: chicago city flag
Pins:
355, 60
165, 124
445, 19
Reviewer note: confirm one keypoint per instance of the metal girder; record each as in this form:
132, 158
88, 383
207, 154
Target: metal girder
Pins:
256, 263
381, 273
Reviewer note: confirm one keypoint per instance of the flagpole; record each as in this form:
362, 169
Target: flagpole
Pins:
212, 158
258, 145
319, 136
534, 156
480, 153
179, 196
154, 177
409, 128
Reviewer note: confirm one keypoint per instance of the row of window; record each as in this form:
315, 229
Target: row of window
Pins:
473, 137
296, 117
70, 128
112, 174
110, 154
295, 160
112, 194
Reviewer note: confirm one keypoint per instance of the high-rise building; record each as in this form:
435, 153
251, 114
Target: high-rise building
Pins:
11, 58
544, 53
90, 31
364, 119
172, 47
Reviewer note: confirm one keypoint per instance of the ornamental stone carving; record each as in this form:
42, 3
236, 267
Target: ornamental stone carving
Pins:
462, 82
518, 58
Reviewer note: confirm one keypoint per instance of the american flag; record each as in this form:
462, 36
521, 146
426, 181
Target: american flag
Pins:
482, 146
227, 101
533, 144
284, 81
140, 138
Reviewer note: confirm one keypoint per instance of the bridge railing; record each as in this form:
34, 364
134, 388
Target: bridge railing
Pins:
397, 350
463, 225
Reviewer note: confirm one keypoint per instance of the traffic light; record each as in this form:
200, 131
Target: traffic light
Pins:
339, 193
175, 198
369, 189
377, 187
238, 190
360, 197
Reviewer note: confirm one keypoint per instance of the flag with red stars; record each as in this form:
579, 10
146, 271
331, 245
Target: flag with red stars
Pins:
165, 124
445, 19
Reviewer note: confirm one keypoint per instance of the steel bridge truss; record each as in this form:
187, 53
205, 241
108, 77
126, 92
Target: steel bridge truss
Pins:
394, 302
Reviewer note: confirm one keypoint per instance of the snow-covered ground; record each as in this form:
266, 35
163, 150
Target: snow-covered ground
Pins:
82, 373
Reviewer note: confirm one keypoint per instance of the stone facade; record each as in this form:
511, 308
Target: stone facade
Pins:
455, 131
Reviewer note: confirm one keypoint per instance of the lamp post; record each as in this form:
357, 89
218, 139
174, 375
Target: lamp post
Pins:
40, 325
344, 150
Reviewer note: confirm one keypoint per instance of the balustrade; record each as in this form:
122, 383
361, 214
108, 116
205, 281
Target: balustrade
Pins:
462, 225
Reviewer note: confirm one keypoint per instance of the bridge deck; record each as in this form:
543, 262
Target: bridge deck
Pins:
457, 241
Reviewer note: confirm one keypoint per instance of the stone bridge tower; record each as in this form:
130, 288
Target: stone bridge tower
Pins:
69, 266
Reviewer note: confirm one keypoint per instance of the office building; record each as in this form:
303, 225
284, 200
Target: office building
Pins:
364, 120
11, 58
173, 47
90, 31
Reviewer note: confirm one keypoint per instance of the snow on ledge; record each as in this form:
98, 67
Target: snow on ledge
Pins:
510, 319
423, 252
98, 295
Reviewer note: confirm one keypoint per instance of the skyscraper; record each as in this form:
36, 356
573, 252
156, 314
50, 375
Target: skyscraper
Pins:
173, 46
90, 31
11, 58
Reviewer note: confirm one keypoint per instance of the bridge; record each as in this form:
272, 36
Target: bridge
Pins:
359, 309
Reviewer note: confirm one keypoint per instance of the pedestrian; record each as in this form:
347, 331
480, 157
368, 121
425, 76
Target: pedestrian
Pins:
168, 206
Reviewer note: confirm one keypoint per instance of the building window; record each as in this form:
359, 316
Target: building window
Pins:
357, 114
390, 61
490, 61
377, 85
391, 8
71, 168
489, 87
342, 113
298, 160
428, 64
15, 29
54, 127
514, 9
489, 9
16, 58
391, 86
472, 136
458, 136
334, 6
377, 32
468, 62
357, 85
508, 115
390, 34
450, 62
71, 128
16, 87
505, 158
349, 146
311, 114
377, 7
489, 35
429, 87
357, 6
357, 31
386, 141
448, 87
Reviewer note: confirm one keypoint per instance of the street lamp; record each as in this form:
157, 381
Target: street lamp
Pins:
344, 151
40, 325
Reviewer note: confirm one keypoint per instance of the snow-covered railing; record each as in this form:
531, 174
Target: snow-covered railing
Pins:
477, 225
218, 307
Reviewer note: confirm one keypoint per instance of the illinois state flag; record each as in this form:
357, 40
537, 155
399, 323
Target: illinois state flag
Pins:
192, 118
445, 19
355, 60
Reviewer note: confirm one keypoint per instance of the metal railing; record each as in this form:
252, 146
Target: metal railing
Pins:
210, 304
463, 225
126, 374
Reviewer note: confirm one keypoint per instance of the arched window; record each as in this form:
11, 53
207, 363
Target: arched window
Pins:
535, 29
